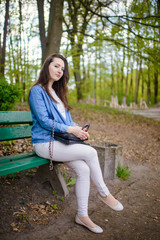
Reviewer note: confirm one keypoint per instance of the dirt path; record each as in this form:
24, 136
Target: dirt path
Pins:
140, 195
153, 113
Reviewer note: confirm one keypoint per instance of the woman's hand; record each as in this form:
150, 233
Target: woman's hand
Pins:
78, 132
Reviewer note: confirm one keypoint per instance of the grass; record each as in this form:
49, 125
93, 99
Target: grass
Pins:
123, 172
89, 107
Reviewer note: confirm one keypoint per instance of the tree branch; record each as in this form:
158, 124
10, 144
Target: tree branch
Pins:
145, 24
125, 17
129, 29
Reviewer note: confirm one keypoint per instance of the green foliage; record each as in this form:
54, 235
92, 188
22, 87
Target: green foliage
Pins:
12, 175
70, 181
123, 172
61, 198
24, 217
54, 192
55, 207
8, 144
9, 94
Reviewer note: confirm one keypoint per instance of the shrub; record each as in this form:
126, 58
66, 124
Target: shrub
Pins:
9, 94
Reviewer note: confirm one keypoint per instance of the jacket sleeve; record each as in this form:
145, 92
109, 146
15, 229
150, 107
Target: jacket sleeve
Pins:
39, 109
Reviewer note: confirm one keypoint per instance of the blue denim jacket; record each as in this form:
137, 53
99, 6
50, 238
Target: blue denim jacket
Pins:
43, 110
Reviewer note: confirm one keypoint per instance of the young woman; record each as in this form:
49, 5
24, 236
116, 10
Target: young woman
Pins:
48, 100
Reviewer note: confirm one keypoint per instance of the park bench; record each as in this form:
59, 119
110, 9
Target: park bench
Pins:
17, 125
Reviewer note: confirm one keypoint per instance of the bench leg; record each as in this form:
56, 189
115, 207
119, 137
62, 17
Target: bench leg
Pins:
55, 178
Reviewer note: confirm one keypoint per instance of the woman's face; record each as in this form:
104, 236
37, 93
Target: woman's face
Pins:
56, 69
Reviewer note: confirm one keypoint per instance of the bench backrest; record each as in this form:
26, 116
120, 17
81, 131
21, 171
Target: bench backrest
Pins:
15, 125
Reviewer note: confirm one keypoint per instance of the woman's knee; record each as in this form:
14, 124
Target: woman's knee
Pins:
91, 154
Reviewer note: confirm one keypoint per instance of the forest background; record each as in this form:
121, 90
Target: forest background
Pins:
112, 46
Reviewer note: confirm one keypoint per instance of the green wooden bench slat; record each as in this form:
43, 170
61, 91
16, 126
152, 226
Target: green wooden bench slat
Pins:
21, 164
10, 133
12, 117
16, 157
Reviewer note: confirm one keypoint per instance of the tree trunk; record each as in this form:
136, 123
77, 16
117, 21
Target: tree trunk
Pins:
155, 84
14, 61
126, 87
95, 79
118, 80
138, 75
55, 27
122, 73
112, 76
21, 60
128, 56
76, 66
155, 64
131, 81
100, 77
3, 48
51, 43
40, 6
143, 81
148, 87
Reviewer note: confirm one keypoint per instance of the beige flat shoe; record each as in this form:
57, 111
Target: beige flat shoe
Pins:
118, 207
97, 229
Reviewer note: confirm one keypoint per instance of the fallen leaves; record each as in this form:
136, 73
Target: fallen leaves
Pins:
33, 214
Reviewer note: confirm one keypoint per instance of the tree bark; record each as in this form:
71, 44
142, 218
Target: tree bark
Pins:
138, 75
40, 6
77, 75
3, 48
95, 79
50, 42
148, 87
128, 64
122, 69
131, 81
126, 87
55, 27
156, 77
112, 76
155, 84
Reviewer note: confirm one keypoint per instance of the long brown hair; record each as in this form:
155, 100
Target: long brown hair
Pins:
59, 86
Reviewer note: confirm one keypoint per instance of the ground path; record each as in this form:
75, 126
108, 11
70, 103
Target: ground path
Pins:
153, 113
140, 195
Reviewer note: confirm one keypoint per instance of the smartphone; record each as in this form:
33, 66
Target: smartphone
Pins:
86, 127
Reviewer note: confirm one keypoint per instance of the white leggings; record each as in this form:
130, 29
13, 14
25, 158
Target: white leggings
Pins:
84, 160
